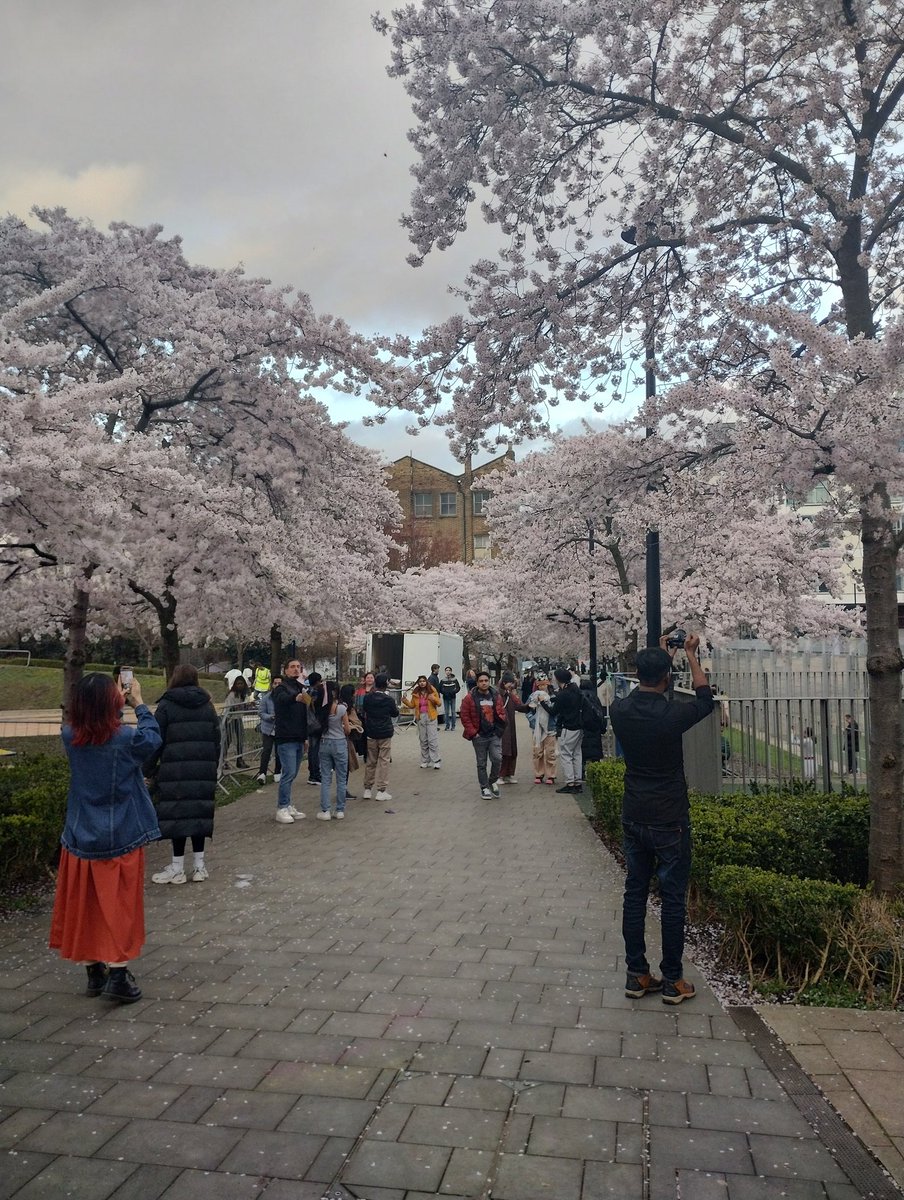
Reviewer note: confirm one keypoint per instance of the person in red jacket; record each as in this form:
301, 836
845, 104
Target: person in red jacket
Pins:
483, 719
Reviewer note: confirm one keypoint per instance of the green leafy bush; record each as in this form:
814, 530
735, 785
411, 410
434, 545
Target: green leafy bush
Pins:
781, 924
607, 782
32, 812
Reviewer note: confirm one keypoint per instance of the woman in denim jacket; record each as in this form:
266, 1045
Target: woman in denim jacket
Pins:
98, 910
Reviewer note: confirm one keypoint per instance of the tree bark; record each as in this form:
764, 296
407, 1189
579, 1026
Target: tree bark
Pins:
276, 650
885, 778
165, 608
77, 639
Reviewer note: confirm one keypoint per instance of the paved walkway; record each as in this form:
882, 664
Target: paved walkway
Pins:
423, 1000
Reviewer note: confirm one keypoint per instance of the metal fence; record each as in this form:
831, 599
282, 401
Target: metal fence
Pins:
240, 741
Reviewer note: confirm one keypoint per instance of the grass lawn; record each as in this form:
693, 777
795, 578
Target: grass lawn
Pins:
42, 687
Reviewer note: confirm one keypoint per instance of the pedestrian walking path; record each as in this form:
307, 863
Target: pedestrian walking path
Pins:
422, 1000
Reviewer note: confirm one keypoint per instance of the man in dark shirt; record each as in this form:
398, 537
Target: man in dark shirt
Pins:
656, 814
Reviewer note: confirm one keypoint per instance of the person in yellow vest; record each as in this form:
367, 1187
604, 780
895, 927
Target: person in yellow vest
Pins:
262, 680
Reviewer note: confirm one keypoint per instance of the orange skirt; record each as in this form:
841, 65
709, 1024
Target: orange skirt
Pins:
98, 910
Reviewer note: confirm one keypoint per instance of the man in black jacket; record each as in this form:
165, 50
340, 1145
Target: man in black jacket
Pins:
565, 706
291, 730
656, 814
378, 711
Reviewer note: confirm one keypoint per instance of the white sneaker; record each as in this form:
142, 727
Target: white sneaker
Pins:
170, 874
284, 817
340, 816
277, 777
486, 794
294, 813
324, 816
367, 794
262, 778
381, 796
426, 766
494, 788
509, 779
199, 875
437, 766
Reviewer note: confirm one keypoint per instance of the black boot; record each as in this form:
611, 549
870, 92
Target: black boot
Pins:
97, 977
121, 986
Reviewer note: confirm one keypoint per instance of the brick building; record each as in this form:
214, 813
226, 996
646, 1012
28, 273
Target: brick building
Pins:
443, 515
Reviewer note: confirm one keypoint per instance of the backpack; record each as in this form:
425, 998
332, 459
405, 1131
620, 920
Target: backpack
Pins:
592, 720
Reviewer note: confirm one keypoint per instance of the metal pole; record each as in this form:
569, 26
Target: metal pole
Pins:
654, 591
338, 680
594, 665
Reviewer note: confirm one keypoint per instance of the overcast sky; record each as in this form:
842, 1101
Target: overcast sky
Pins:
266, 134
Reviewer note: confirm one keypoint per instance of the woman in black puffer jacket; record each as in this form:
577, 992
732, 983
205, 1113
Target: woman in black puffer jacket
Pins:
185, 772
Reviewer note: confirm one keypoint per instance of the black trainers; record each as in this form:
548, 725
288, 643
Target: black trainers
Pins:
638, 985
121, 986
674, 991
97, 977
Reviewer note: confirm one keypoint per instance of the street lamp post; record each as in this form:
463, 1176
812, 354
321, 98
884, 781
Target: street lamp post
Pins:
594, 667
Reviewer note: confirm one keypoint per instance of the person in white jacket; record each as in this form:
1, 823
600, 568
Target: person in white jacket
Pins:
545, 750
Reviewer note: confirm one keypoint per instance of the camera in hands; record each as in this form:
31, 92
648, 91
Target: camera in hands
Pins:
677, 640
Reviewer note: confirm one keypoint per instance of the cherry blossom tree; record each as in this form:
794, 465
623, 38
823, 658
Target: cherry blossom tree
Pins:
713, 189
161, 420
577, 514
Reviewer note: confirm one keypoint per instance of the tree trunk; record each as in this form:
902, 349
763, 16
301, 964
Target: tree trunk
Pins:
885, 779
77, 639
275, 650
165, 608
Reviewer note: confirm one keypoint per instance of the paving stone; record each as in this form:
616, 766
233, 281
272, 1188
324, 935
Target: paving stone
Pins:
377, 1052
395, 1004
421, 1029
75, 1178
751, 1116
281, 1153
133, 1098
794, 1158
638, 1073
700, 1150
329, 1116
467, 1173
18, 1169
331, 1159
503, 1034
474, 1129
147, 1182
214, 1185
70, 1093
295, 1047
530, 1177
422, 1088
741, 1188
17, 1123
602, 1103
557, 1068
612, 1181
239, 1108
171, 1143
502, 1064
541, 1098
480, 1093
248, 1016
704, 1185
728, 1081
449, 1060
706, 1050
356, 1024
30, 1056
396, 1165
214, 1071
565, 1137
586, 1041
314, 1079
434, 986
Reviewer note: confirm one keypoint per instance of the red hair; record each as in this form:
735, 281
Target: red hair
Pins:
94, 710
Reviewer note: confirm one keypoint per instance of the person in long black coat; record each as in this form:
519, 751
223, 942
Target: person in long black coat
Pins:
184, 772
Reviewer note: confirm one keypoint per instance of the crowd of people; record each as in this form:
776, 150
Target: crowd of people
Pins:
131, 785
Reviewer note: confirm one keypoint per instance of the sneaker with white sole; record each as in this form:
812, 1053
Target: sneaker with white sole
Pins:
494, 788
295, 814
367, 794
324, 816
509, 779
437, 766
340, 816
486, 794
426, 766
199, 875
170, 874
284, 816
277, 777
381, 796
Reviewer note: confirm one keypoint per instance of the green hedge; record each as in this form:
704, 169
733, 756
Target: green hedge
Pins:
32, 812
781, 925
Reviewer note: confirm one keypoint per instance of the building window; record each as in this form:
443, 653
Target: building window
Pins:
448, 504
423, 504
481, 545
480, 503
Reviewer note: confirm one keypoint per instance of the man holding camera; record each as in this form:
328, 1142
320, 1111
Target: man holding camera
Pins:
649, 726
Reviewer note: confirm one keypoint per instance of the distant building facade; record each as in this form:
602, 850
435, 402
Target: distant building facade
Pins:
443, 514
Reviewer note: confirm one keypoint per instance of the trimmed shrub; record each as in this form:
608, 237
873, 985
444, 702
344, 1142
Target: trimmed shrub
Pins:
32, 813
607, 783
780, 924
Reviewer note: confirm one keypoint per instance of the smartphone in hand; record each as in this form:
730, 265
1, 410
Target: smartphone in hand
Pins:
125, 678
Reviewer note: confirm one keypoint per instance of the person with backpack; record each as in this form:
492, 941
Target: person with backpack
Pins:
593, 725
483, 719
545, 745
378, 711
449, 687
565, 706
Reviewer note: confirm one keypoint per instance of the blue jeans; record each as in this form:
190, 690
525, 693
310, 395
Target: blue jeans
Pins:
333, 757
449, 711
664, 851
487, 747
290, 756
